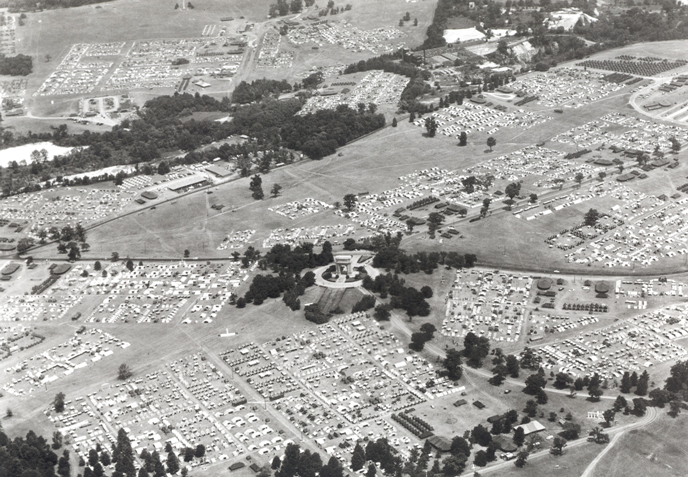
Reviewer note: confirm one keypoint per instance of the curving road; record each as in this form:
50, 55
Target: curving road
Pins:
651, 415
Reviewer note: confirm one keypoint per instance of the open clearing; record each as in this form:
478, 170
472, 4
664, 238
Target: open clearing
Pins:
656, 449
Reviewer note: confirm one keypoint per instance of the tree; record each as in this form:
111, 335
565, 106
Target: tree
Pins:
163, 168
534, 383
276, 463
114, 257
394, 122
426, 291
24, 244
172, 463
512, 365
382, 312
626, 383
519, 436
533, 198
200, 451
609, 416
431, 126
130, 265
350, 201
491, 142
522, 459
463, 138
591, 217
358, 458
275, 190
435, 219
531, 408
188, 454
571, 431
480, 458
57, 440
371, 471
481, 435
643, 381
579, 178
59, 402
124, 372
453, 364
558, 445
258, 193
97, 266
601, 175
512, 190
620, 403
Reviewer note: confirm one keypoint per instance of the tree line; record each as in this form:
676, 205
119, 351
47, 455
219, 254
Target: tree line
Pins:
163, 127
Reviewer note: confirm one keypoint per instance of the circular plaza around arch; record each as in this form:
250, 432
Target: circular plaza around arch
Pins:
346, 265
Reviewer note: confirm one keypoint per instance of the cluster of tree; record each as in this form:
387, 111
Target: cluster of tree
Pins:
419, 338
272, 123
364, 304
256, 187
503, 366
475, 349
637, 25
453, 364
313, 80
314, 314
264, 287
153, 466
31, 455
394, 258
287, 265
641, 383
407, 298
505, 423
305, 464
535, 386
246, 93
320, 134
20, 65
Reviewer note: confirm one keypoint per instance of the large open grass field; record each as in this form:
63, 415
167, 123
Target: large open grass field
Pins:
658, 449
372, 165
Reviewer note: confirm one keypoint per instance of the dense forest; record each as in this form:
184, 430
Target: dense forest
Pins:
164, 126
20, 65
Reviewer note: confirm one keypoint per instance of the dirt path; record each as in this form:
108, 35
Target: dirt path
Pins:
591, 467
